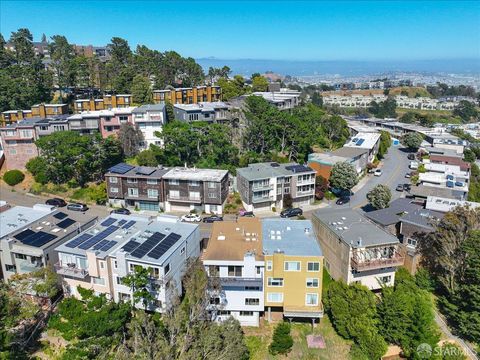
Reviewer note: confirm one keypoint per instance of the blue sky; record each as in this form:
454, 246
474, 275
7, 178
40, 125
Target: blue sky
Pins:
378, 30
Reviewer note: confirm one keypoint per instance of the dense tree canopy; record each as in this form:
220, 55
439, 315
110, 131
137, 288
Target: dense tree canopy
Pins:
383, 109
379, 197
412, 140
344, 176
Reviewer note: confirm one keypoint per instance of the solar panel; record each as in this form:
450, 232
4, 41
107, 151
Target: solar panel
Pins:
24, 234
66, 223
148, 245
78, 240
298, 168
129, 224
143, 170
121, 222
163, 247
108, 246
108, 222
100, 244
360, 142
97, 238
60, 215
128, 247
39, 239
121, 168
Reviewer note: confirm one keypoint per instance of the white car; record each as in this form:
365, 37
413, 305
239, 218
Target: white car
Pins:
377, 172
191, 218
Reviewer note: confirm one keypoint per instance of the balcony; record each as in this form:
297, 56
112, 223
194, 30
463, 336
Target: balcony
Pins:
27, 266
187, 199
257, 200
303, 311
396, 260
261, 187
141, 197
70, 270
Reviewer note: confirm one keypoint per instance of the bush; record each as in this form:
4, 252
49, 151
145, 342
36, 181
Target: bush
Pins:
282, 341
36, 167
13, 177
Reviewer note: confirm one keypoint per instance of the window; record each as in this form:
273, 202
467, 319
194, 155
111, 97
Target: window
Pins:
114, 190
212, 185
174, 194
259, 270
102, 264
13, 152
194, 195
212, 195
131, 181
123, 118
115, 264
215, 301
155, 272
385, 279
173, 182
275, 282
246, 313
194, 183
182, 251
223, 312
412, 242
21, 256
269, 265
26, 133
119, 280
133, 192
166, 269
292, 265
286, 190
235, 271
275, 297
152, 193
152, 181
98, 280
313, 266
213, 270
312, 282
11, 268
311, 300
252, 301
252, 288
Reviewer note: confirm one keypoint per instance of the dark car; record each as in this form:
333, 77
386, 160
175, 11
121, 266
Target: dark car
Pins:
343, 200
213, 218
247, 214
77, 207
407, 187
399, 188
287, 213
56, 202
121, 211
411, 156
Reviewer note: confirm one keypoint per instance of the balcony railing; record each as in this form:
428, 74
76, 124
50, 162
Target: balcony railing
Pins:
197, 200
256, 187
396, 260
70, 270
29, 266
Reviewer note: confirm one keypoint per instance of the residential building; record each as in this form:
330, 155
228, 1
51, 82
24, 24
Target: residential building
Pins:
202, 111
51, 124
107, 122
202, 190
454, 143
234, 258
18, 143
11, 116
444, 205
284, 99
105, 103
440, 152
445, 176
138, 187
323, 163
355, 249
39, 110
353, 101
423, 192
29, 235
293, 269
150, 119
100, 52
369, 141
190, 95
99, 258
264, 186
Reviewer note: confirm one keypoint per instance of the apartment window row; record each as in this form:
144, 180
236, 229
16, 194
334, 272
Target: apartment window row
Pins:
311, 299
235, 271
252, 301
312, 266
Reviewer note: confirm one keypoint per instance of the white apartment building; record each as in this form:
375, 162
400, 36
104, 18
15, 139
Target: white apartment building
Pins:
150, 119
234, 258
445, 176
444, 205
353, 101
99, 258
284, 99
369, 141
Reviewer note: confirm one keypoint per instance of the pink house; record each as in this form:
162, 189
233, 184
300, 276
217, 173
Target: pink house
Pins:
18, 143
112, 119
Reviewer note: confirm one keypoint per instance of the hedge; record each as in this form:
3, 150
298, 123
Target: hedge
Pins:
13, 177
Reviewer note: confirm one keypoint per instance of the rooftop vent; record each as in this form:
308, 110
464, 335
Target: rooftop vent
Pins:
221, 237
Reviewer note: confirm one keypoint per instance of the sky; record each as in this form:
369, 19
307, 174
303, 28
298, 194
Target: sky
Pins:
324, 30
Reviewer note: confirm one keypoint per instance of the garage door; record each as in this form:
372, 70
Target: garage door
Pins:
148, 206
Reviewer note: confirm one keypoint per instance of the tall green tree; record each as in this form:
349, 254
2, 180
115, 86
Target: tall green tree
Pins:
379, 197
22, 41
63, 61
412, 140
130, 138
343, 176
259, 83
141, 90
467, 111
141, 285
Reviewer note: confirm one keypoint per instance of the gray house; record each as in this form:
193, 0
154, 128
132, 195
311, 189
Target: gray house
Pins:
202, 111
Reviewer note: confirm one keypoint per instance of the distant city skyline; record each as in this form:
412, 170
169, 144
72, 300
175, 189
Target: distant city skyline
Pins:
306, 31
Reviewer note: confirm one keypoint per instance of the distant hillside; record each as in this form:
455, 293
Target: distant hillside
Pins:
411, 91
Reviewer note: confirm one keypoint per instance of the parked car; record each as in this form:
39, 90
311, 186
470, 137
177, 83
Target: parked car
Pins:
399, 187
246, 213
411, 156
77, 207
121, 211
408, 175
213, 218
407, 187
414, 165
287, 213
191, 218
377, 172
343, 200
56, 202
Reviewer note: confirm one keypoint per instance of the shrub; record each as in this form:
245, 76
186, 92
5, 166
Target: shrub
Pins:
13, 177
282, 341
274, 209
37, 188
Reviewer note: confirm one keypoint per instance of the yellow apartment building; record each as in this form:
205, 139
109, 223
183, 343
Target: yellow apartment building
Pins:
192, 95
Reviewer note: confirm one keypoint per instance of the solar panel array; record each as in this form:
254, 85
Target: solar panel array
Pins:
128, 247
60, 215
121, 168
121, 222
109, 221
39, 239
298, 168
142, 170
78, 240
360, 142
129, 224
163, 247
66, 223
108, 246
148, 245
97, 238
24, 234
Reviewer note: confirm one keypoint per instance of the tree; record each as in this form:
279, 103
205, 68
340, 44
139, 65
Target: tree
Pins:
412, 140
147, 158
22, 41
232, 88
317, 99
141, 90
385, 143
259, 83
343, 176
13, 177
170, 111
63, 63
140, 283
384, 109
380, 196
408, 118
466, 111
130, 138
282, 341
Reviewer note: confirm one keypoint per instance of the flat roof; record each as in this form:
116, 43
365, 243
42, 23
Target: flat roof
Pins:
445, 205
363, 140
19, 217
326, 158
424, 218
397, 209
149, 107
354, 229
272, 169
182, 173
202, 106
349, 152
292, 237
231, 240
125, 170
425, 191
136, 236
